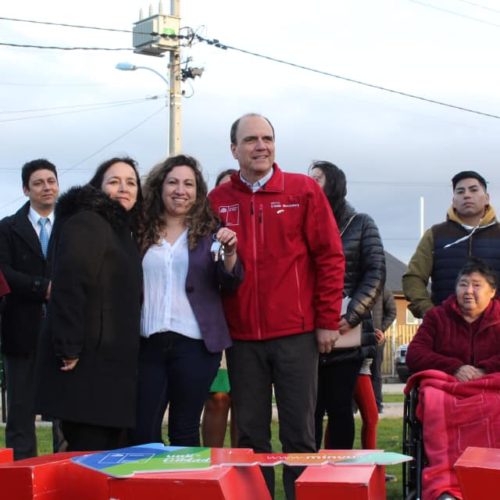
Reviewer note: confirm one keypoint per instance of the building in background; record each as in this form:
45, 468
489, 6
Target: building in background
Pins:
405, 324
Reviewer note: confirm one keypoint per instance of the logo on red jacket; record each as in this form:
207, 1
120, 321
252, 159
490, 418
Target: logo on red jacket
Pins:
230, 214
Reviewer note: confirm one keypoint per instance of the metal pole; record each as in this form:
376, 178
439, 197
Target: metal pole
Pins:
175, 91
421, 216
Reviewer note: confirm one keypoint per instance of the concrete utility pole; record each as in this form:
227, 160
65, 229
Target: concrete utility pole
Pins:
153, 36
175, 126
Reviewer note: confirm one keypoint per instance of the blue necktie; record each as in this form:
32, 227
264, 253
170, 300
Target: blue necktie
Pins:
44, 236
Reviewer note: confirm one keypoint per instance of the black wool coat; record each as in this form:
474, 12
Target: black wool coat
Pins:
93, 314
27, 273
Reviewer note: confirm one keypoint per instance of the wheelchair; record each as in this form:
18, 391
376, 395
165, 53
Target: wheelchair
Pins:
413, 445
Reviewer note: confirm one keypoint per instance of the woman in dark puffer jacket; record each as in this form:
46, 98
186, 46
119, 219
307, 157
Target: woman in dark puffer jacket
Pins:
363, 281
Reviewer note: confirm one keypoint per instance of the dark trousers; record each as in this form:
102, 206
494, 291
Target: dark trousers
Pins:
336, 384
290, 364
376, 369
20, 429
20, 433
87, 437
177, 372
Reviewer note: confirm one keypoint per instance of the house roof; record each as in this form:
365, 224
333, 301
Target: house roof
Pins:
394, 273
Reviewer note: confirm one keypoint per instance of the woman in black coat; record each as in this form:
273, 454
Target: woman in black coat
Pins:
89, 348
363, 281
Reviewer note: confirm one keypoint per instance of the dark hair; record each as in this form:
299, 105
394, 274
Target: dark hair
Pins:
335, 186
476, 265
98, 177
235, 125
200, 220
224, 173
468, 174
33, 166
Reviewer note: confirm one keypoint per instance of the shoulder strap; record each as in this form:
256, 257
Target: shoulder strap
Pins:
347, 224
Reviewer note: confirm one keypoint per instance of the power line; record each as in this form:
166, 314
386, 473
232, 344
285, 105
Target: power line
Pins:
73, 167
454, 13
64, 25
54, 47
480, 6
218, 44
86, 27
17, 84
74, 111
75, 106
121, 136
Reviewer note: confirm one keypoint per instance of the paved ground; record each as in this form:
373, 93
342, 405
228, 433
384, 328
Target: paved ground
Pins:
392, 410
393, 388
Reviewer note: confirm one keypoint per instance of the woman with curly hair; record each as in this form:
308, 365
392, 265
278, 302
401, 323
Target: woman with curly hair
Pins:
183, 328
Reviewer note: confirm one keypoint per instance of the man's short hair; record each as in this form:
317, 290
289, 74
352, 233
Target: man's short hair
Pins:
33, 166
468, 174
234, 127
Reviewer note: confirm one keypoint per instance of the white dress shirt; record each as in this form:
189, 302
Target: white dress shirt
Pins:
258, 184
34, 217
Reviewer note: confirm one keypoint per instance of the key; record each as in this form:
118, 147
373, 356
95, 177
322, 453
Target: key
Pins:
215, 250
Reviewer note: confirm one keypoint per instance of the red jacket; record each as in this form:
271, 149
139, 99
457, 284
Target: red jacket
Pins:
445, 341
291, 251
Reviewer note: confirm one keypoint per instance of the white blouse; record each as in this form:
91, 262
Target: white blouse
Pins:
166, 306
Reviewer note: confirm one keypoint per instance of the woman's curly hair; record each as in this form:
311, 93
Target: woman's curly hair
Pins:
200, 219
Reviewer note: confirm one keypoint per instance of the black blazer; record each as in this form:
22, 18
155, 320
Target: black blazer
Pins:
27, 272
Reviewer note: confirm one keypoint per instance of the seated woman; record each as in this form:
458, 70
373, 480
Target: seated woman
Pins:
460, 337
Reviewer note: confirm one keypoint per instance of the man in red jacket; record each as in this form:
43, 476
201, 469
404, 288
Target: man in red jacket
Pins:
288, 307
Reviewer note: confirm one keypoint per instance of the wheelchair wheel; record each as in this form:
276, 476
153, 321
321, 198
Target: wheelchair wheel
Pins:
412, 446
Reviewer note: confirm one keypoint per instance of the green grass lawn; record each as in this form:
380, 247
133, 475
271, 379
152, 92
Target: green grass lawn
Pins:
394, 398
389, 439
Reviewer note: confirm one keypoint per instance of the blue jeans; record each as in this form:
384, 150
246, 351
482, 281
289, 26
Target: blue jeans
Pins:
174, 371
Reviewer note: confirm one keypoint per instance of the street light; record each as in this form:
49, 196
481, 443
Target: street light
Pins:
125, 66
174, 116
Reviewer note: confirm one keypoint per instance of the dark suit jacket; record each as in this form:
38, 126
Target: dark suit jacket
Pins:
27, 273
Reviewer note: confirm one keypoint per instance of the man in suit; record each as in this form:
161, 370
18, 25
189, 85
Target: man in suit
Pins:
24, 239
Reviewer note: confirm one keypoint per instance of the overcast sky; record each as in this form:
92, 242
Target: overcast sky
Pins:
394, 149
